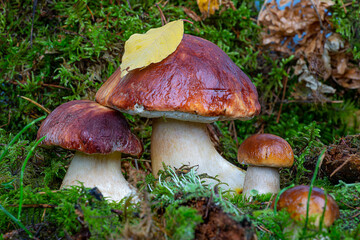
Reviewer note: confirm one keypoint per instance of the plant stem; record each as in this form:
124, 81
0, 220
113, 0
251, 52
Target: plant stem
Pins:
16, 221
321, 157
18, 135
22, 173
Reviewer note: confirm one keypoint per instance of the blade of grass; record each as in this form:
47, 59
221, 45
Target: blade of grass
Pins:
321, 157
22, 173
18, 135
278, 196
15, 220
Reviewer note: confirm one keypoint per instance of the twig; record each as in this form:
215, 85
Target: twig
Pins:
92, 16
264, 229
283, 95
318, 14
37, 104
357, 214
308, 101
162, 16
32, 22
343, 5
232, 124
270, 200
342, 165
9, 117
55, 86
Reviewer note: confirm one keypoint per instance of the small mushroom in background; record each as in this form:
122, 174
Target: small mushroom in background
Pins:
295, 200
195, 85
264, 153
98, 135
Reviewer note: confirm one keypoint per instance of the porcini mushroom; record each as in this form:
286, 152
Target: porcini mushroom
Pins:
195, 85
295, 200
98, 135
264, 153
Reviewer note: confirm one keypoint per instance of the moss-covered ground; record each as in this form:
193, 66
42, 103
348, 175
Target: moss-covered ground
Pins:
52, 52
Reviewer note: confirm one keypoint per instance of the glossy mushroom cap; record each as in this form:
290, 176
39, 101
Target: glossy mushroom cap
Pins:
266, 150
88, 127
295, 201
198, 82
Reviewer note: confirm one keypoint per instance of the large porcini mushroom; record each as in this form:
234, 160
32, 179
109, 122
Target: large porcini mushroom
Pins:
98, 135
295, 200
264, 153
195, 85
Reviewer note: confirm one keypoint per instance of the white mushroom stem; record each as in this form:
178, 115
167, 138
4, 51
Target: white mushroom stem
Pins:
177, 143
99, 170
262, 179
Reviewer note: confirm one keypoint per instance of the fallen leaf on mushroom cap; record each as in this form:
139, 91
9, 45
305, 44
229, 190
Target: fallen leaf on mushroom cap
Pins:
152, 47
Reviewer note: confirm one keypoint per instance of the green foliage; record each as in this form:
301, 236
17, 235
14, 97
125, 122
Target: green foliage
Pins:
78, 45
345, 20
181, 221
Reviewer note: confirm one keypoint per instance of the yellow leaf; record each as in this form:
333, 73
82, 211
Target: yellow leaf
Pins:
208, 6
155, 45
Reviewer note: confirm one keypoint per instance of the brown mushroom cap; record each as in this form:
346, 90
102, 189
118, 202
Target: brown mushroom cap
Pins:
88, 127
295, 201
266, 150
197, 79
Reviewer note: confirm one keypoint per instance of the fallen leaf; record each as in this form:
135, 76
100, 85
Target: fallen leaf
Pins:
152, 47
208, 7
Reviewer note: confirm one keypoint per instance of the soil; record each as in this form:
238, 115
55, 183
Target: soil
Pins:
342, 160
218, 224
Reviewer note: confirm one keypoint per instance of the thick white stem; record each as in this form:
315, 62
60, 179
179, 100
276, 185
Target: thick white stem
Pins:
100, 170
177, 143
262, 179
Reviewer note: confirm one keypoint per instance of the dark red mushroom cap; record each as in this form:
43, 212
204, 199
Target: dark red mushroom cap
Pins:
88, 127
197, 79
295, 201
266, 150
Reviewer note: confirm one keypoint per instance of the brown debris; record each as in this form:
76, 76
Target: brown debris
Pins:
342, 160
219, 225
320, 55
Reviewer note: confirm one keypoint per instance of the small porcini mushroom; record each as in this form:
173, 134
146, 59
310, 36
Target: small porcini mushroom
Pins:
98, 135
295, 200
195, 85
264, 153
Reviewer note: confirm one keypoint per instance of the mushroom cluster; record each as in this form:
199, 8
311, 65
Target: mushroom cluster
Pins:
195, 85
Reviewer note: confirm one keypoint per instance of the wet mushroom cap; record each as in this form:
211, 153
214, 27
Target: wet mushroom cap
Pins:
266, 150
295, 201
198, 82
88, 127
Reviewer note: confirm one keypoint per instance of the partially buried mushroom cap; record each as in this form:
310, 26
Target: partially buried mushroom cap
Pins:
198, 82
295, 201
88, 127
